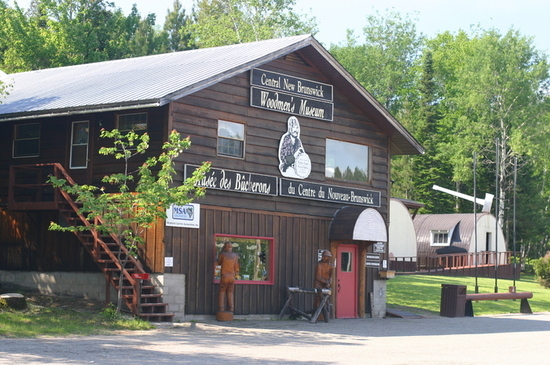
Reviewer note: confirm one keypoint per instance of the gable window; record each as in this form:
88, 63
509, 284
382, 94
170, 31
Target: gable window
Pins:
26, 140
347, 161
79, 145
230, 139
136, 122
440, 238
255, 258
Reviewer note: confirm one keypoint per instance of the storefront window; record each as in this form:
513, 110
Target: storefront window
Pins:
255, 258
347, 161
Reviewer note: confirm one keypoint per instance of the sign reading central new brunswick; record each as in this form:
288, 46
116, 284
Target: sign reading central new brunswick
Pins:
291, 95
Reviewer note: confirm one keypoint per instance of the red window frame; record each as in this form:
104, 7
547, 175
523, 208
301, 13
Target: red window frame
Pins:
270, 264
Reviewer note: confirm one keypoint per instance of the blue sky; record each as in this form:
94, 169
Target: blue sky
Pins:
530, 17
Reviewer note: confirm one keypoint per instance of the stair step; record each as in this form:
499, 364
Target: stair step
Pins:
157, 317
153, 305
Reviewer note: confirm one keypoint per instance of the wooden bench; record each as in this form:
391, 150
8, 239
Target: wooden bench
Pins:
324, 306
524, 305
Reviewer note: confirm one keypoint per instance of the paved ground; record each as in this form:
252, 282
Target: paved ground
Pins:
502, 339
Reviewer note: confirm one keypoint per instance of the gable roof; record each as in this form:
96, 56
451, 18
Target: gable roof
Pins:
152, 81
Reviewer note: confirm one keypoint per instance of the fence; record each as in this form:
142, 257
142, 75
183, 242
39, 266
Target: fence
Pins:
485, 263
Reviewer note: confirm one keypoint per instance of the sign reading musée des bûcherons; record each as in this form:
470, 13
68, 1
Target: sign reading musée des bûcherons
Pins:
292, 95
244, 182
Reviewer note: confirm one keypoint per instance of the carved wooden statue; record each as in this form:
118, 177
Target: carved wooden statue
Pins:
229, 271
323, 275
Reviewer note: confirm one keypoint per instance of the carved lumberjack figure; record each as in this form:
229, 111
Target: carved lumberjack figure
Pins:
323, 275
229, 270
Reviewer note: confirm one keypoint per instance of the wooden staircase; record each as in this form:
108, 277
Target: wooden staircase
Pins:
121, 268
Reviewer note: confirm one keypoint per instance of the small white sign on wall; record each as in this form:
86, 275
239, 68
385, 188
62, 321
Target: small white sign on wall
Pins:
187, 216
168, 262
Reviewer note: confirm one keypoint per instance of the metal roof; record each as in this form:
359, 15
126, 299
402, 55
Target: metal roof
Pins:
460, 224
159, 79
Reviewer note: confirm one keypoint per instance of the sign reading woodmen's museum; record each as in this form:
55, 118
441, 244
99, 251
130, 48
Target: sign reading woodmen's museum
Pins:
292, 95
242, 182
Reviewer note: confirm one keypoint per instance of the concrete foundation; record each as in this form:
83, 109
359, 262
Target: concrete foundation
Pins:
379, 299
92, 286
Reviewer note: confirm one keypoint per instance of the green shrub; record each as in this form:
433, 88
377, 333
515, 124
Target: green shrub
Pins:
110, 313
542, 270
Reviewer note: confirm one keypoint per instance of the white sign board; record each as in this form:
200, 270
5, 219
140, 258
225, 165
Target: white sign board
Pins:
168, 262
187, 216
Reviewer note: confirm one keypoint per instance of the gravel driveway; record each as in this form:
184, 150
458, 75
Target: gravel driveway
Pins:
499, 339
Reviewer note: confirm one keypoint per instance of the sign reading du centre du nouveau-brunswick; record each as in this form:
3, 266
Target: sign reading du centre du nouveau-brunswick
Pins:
245, 182
292, 95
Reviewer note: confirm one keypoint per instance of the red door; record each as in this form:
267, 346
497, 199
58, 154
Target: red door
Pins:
346, 282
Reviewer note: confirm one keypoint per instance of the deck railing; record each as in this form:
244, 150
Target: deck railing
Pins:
450, 261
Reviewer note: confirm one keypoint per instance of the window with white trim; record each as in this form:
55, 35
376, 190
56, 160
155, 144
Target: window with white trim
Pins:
79, 145
230, 139
26, 140
440, 238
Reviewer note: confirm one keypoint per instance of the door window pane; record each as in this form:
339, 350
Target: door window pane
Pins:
346, 262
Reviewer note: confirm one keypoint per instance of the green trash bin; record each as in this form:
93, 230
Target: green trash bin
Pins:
453, 300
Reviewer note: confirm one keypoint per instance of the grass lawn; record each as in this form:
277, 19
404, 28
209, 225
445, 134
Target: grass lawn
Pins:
422, 293
64, 316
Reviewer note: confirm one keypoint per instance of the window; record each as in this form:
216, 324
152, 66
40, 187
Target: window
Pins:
26, 140
79, 145
255, 258
347, 161
230, 139
346, 262
136, 122
440, 238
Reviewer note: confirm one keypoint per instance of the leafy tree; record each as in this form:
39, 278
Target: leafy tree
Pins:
223, 22
55, 33
127, 212
146, 40
22, 47
494, 88
429, 169
176, 26
384, 60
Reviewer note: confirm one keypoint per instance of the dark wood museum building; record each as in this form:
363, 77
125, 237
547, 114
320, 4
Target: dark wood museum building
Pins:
300, 156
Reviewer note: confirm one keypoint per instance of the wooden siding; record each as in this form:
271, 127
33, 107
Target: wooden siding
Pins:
297, 239
299, 226
197, 115
27, 244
